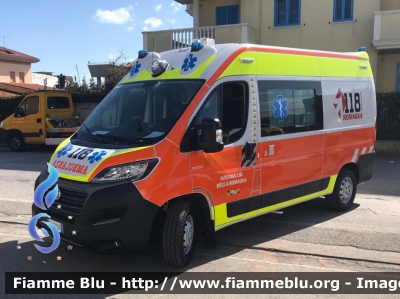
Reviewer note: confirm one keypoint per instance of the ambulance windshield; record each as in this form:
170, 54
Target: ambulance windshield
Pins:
140, 113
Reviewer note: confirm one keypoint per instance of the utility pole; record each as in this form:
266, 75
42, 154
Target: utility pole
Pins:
79, 78
4, 41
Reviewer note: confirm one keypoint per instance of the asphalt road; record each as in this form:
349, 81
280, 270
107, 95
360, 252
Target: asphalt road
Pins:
304, 238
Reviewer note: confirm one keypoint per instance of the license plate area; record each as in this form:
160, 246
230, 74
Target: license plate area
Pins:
58, 225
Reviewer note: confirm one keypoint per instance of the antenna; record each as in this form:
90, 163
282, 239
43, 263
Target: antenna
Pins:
79, 78
152, 52
4, 42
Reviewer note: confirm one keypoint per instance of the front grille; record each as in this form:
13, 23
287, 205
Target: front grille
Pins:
59, 216
71, 200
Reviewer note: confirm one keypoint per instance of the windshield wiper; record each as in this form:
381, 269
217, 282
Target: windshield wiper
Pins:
91, 134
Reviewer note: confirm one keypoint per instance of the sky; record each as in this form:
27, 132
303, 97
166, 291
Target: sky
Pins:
66, 34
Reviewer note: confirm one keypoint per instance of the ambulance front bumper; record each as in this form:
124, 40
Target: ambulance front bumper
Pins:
102, 217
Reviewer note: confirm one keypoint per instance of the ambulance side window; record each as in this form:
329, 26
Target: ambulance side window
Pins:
228, 103
290, 107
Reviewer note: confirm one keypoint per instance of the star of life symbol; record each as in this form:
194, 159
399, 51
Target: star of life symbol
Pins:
135, 68
340, 96
63, 151
189, 63
96, 156
280, 104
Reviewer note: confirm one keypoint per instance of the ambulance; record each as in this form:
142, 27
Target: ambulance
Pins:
196, 139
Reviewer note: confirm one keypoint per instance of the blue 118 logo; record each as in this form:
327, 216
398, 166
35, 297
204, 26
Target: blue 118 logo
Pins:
44, 203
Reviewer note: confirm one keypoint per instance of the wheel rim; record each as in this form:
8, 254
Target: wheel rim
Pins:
188, 234
15, 143
346, 190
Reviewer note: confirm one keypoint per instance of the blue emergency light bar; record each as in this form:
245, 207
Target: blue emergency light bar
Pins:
362, 49
143, 53
196, 46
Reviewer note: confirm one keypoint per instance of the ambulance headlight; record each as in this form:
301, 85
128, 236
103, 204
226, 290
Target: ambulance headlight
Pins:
132, 171
158, 67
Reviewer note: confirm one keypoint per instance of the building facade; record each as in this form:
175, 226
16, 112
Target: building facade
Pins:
15, 67
331, 25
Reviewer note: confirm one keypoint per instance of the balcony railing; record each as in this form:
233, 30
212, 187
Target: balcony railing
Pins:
386, 30
182, 38
160, 41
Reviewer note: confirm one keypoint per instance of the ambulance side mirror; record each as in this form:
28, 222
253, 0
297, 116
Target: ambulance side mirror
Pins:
211, 135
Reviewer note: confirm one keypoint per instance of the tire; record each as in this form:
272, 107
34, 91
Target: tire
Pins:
178, 241
344, 191
16, 143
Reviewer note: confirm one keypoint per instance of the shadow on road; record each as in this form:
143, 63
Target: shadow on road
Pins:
33, 158
386, 178
265, 228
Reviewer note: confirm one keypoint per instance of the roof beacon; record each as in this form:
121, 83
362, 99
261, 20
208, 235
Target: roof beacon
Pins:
142, 54
198, 44
362, 49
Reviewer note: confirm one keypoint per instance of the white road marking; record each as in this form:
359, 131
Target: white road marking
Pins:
14, 235
275, 263
17, 200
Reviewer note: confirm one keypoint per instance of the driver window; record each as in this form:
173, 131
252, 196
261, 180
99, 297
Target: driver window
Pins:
228, 103
30, 106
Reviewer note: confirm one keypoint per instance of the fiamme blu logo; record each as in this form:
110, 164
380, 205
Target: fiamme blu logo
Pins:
44, 201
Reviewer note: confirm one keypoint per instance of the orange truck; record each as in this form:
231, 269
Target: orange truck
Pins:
196, 139
43, 117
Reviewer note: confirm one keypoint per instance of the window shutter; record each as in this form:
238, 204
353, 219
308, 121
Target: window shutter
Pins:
338, 10
221, 16
233, 14
294, 12
348, 10
281, 12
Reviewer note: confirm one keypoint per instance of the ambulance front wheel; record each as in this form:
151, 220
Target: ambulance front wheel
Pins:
179, 234
344, 191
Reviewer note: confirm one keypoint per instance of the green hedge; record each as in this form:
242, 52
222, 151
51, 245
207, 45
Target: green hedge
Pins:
388, 111
388, 116
7, 106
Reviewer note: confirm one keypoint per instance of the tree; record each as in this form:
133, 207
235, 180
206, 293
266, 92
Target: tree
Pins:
72, 86
92, 85
84, 86
116, 72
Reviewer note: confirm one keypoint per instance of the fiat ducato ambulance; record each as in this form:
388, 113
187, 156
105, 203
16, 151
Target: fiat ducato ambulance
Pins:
196, 139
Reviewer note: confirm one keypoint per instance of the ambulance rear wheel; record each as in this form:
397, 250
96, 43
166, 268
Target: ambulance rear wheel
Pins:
344, 191
179, 234
16, 143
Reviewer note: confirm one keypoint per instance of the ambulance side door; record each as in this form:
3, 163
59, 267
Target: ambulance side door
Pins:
291, 120
227, 175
